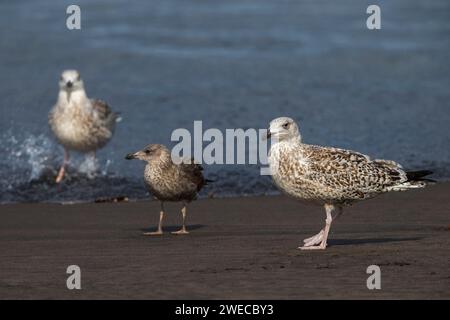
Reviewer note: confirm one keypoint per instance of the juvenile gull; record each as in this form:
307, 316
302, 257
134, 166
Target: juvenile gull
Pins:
79, 123
329, 176
168, 181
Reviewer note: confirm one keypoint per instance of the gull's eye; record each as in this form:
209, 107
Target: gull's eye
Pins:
286, 125
147, 151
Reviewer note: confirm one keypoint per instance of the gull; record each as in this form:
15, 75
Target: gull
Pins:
330, 176
169, 181
79, 123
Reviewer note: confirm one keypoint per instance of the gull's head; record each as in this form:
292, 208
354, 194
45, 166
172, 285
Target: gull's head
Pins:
150, 153
283, 129
70, 81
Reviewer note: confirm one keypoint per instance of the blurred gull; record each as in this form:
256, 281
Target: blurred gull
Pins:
79, 123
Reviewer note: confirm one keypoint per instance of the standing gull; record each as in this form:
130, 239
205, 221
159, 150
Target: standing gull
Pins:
79, 123
168, 181
329, 176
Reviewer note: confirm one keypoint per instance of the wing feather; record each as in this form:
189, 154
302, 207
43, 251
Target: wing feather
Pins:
104, 112
351, 174
193, 172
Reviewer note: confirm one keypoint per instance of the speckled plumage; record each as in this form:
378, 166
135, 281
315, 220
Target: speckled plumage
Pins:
169, 181
330, 176
172, 182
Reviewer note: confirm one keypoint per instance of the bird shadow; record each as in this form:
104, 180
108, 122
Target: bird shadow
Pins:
175, 228
342, 242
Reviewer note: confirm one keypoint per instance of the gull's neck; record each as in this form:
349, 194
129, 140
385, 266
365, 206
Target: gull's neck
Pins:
164, 159
291, 142
157, 167
77, 97
278, 148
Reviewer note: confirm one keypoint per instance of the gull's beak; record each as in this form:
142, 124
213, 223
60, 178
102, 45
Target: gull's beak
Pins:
269, 134
130, 156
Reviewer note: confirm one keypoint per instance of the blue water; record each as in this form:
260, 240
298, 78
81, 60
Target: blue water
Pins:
232, 64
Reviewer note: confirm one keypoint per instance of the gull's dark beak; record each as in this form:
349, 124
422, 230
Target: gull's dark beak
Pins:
69, 84
130, 156
267, 136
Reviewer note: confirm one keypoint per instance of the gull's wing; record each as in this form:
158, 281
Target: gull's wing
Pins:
104, 112
193, 173
349, 174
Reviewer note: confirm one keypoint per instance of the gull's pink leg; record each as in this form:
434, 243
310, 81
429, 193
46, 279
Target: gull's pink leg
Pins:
159, 231
320, 234
183, 228
316, 239
319, 241
62, 170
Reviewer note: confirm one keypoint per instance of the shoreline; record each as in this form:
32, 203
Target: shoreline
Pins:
83, 190
238, 248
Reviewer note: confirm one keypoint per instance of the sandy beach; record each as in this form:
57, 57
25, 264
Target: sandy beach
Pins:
239, 248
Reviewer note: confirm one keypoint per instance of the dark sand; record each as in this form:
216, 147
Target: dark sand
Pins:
242, 248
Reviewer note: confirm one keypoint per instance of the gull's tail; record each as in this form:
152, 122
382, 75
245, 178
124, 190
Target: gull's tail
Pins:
419, 176
415, 179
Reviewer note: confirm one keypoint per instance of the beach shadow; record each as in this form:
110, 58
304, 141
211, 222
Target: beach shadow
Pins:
175, 228
342, 242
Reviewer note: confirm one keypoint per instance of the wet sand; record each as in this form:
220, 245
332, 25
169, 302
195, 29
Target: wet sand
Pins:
239, 248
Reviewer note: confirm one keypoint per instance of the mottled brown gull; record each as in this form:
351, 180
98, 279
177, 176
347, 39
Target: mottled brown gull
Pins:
168, 181
329, 176
79, 123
